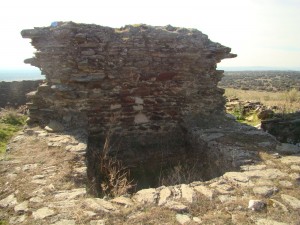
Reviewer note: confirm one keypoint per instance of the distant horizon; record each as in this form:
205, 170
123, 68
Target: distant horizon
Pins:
228, 68
258, 68
19, 74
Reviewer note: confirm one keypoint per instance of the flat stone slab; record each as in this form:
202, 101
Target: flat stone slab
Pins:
63, 205
253, 167
54, 126
9, 201
208, 193
236, 176
225, 190
183, 219
265, 191
295, 176
65, 222
285, 183
176, 206
22, 207
263, 182
11, 176
187, 193
35, 200
97, 222
146, 196
211, 136
227, 198
269, 222
279, 204
17, 219
291, 160
292, 201
285, 148
81, 147
99, 205
268, 174
43, 213
29, 167
295, 168
164, 195
123, 201
39, 182
70, 194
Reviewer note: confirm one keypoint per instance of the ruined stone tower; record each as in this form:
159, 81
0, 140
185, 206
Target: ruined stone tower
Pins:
150, 76
138, 82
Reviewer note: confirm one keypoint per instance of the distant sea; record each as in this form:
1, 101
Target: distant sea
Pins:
35, 74
19, 75
257, 68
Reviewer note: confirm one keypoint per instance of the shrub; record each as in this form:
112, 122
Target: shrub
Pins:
10, 122
115, 177
238, 112
12, 117
180, 174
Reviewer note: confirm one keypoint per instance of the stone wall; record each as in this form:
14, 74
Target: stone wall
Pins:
13, 94
134, 86
139, 78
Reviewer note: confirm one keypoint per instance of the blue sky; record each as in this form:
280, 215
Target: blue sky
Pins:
262, 32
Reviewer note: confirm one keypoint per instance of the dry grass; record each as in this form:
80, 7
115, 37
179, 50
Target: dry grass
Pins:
287, 102
115, 177
180, 174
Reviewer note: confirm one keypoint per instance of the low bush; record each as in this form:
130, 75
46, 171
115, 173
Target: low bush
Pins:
10, 122
180, 174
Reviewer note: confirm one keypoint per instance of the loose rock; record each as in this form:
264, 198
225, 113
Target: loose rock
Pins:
146, 196
187, 193
292, 201
208, 193
65, 222
182, 219
176, 206
256, 205
22, 207
99, 205
70, 194
17, 219
164, 195
269, 222
265, 191
9, 201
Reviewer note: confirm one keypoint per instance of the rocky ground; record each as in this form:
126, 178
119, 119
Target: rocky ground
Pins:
43, 182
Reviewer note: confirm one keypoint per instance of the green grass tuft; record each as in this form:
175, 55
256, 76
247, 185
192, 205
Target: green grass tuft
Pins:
10, 123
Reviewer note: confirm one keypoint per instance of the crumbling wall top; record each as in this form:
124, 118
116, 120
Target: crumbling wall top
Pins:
150, 76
